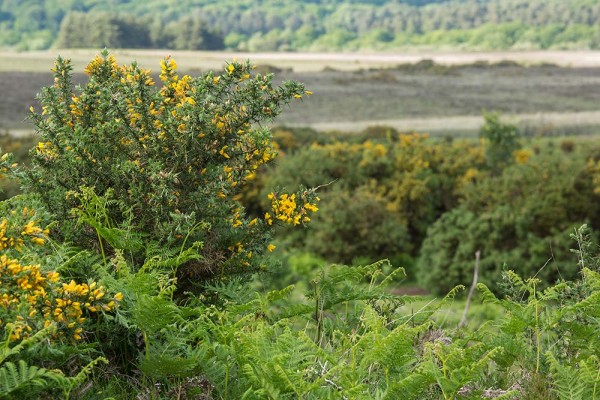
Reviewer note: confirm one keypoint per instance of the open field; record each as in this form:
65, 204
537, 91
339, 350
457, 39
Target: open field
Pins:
40, 61
353, 91
550, 122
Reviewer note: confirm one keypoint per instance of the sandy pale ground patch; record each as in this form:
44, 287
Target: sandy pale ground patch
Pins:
467, 123
36, 61
434, 124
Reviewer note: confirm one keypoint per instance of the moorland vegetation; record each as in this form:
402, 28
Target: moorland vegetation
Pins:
140, 260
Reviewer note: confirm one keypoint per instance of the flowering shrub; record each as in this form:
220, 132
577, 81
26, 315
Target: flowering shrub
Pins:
285, 208
32, 298
172, 159
386, 195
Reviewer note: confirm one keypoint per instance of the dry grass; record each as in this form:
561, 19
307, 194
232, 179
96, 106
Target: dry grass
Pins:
351, 91
40, 61
539, 123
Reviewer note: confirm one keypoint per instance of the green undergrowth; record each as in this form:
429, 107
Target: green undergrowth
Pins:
131, 269
341, 334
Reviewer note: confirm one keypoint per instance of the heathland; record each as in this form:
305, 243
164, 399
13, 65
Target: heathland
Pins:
160, 250
301, 225
439, 93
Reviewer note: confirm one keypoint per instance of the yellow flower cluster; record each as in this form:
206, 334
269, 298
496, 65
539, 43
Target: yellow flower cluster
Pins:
257, 154
168, 67
71, 300
46, 150
522, 156
98, 63
285, 208
5, 165
33, 298
14, 235
178, 91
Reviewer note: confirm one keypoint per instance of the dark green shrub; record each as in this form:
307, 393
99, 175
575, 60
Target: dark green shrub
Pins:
383, 194
501, 141
447, 256
356, 224
521, 218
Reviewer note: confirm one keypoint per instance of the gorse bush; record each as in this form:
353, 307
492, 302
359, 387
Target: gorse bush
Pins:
31, 297
139, 250
522, 218
39, 306
430, 204
385, 194
170, 161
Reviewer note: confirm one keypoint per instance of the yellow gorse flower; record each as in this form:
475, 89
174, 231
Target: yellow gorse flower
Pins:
522, 156
288, 209
36, 298
46, 150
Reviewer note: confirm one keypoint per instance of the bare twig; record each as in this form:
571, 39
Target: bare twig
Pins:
324, 185
463, 320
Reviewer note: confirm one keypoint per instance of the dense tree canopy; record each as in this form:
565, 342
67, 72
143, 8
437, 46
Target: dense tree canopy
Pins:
301, 25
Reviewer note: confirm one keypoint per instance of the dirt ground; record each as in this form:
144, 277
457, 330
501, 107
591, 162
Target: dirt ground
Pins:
543, 91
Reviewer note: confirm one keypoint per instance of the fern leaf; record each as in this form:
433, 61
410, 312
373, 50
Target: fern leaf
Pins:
40, 335
160, 366
81, 377
411, 387
566, 380
488, 296
13, 377
153, 313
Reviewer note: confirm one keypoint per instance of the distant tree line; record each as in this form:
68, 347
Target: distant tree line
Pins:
107, 29
301, 24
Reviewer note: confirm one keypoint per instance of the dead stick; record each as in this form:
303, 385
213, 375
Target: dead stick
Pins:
463, 320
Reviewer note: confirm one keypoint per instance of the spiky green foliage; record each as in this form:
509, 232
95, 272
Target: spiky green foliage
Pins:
123, 159
20, 376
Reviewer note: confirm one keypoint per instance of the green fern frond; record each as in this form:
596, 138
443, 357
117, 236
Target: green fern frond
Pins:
487, 295
153, 313
7, 351
410, 387
158, 365
232, 290
17, 377
591, 278
567, 382
171, 260
70, 383
394, 351
508, 305
276, 295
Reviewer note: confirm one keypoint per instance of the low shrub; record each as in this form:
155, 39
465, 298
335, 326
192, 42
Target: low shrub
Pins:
168, 163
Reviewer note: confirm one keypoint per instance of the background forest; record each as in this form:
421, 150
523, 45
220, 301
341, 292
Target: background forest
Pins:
313, 25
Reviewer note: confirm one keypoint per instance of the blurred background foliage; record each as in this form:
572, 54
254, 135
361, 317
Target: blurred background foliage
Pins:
317, 25
428, 204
